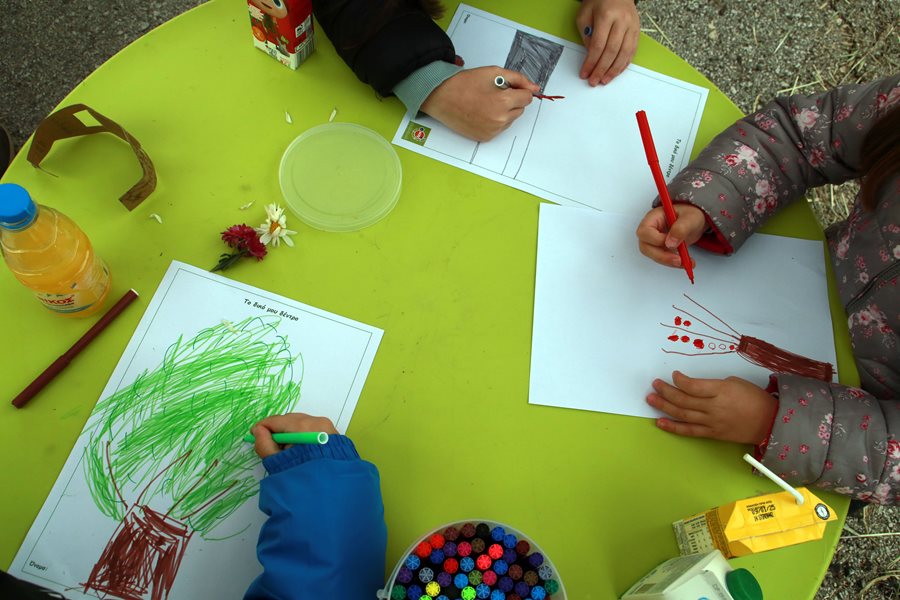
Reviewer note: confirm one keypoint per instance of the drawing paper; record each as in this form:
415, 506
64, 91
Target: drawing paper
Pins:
202, 344
603, 312
565, 150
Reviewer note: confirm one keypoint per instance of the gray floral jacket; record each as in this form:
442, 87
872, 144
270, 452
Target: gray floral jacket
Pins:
828, 435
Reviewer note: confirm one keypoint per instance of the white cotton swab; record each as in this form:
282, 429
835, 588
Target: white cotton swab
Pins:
775, 478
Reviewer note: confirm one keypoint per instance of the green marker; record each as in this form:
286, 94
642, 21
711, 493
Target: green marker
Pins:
305, 437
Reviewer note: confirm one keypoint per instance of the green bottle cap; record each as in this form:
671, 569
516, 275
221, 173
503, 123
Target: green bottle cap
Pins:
742, 585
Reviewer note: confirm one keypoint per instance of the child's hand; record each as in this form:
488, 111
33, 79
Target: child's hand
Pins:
290, 423
615, 27
660, 244
471, 104
732, 410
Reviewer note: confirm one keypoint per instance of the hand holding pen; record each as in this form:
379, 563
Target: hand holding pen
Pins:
471, 104
670, 217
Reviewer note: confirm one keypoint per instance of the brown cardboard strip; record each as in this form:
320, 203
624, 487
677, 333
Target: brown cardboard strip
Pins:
65, 123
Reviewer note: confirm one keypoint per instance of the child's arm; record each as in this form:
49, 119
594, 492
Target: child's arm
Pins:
822, 434
325, 536
835, 437
771, 158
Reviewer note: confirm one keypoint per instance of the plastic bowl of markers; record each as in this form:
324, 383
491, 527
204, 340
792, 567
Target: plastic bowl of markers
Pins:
474, 560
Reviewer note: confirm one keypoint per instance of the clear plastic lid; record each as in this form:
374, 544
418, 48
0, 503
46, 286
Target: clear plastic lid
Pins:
340, 177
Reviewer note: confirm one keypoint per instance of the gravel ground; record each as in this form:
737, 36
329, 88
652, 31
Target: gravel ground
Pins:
752, 51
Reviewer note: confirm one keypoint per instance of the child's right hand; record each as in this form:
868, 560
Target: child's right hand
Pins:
659, 243
290, 423
470, 104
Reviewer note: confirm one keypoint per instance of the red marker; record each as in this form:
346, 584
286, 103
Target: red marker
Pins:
653, 161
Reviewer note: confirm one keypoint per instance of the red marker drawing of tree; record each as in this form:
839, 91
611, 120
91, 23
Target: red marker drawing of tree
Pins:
706, 339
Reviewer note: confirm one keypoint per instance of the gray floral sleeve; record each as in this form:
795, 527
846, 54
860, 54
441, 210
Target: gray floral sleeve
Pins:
826, 435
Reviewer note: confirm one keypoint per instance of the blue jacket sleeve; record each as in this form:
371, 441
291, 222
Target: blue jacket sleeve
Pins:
325, 536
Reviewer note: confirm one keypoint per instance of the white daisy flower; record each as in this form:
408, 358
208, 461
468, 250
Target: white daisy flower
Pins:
275, 229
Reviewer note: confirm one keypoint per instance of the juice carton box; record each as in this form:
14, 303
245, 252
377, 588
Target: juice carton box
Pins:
705, 576
754, 524
283, 29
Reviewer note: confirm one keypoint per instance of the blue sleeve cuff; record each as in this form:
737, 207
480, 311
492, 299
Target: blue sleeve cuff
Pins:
415, 89
339, 447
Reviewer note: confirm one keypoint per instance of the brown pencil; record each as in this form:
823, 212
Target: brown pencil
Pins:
63, 361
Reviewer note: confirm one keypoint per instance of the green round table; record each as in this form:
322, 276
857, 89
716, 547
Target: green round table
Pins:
449, 276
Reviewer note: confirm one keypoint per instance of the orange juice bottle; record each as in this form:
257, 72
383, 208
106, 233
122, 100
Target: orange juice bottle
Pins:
49, 254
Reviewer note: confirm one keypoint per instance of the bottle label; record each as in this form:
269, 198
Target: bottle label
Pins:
83, 293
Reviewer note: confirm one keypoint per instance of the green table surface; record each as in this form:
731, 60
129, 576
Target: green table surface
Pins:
449, 276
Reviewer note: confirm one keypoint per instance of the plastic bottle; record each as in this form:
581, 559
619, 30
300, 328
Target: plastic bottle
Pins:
49, 254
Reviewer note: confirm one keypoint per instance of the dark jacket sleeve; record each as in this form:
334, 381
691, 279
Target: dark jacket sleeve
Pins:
383, 41
325, 536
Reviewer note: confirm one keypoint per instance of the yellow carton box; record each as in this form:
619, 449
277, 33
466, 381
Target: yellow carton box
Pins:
754, 525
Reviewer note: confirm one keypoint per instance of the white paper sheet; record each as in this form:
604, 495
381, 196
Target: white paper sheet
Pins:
603, 312
584, 150
309, 360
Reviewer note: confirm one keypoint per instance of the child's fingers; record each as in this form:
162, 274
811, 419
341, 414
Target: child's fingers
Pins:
626, 53
519, 81
660, 255
685, 415
685, 429
701, 388
610, 52
679, 397
264, 444
595, 48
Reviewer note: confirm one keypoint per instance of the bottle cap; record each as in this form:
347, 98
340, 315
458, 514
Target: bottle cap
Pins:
17, 209
743, 585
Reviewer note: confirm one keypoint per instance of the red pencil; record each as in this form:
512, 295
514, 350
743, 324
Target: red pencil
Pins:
63, 361
653, 161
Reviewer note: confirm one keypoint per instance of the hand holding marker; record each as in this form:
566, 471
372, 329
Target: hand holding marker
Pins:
500, 82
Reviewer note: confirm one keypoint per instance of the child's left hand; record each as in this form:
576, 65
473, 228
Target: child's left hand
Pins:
732, 409
615, 27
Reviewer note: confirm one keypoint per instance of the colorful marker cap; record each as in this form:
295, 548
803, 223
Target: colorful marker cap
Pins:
536, 559
522, 547
498, 595
444, 579
414, 592
498, 533
475, 577
511, 541
461, 580
451, 565
552, 586
436, 541
423, 549
468, 593
515, 571
426, 575
412, 562
506, 584
545, 572
495, 551
478, 545
483, 562
523, 589
398, 593
433, 589
483, 591
538, 593
466, 564
451, 534
500, 567
464, 549
450, 549
489, 577
482, 530
530, 577
467, 530
405, 574
437, 556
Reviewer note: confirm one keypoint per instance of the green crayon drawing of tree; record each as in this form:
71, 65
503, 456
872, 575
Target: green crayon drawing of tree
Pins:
166, 456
